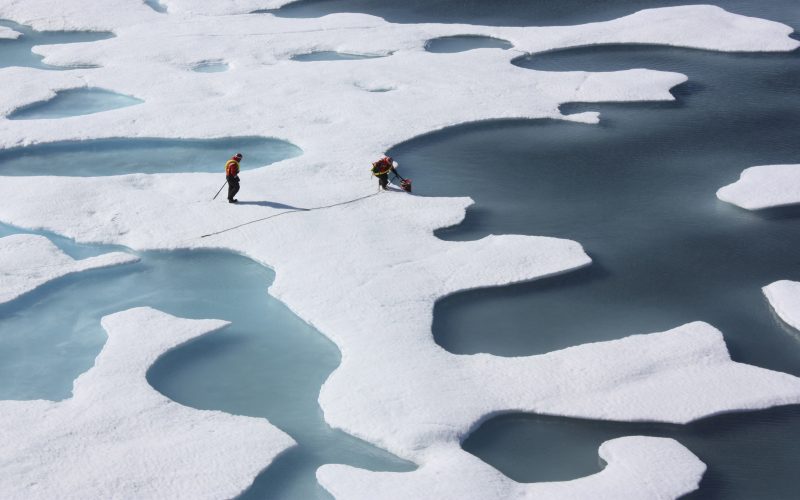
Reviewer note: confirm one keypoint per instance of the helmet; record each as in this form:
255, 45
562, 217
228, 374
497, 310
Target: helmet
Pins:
387, 159
238, 156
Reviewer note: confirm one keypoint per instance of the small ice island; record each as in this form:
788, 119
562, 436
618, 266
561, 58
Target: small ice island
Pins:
190, 71
764, 186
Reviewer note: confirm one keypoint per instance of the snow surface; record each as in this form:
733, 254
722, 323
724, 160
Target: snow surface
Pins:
119, 438
784, 297
764, 187
365, 273
676, 376
8, 33
638, 467
28, 261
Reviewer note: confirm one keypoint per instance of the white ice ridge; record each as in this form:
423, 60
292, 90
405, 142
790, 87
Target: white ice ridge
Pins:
119, 438
637, 467
367, 273
28, 261
765, 186
784, 297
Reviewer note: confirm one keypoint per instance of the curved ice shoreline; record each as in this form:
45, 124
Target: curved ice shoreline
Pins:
28, 261
638, 467
423, 398
784, 297
118, 437
764, 186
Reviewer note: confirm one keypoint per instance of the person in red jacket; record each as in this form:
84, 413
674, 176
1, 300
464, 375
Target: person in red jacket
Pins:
381, 169
232, 175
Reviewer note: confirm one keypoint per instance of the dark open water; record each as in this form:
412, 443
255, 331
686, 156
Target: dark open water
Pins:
638, 191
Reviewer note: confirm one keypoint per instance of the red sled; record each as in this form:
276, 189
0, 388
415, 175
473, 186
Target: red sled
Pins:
405, 185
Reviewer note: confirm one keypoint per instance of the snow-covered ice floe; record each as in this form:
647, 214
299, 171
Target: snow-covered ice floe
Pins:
364, 268
8, 33
28, 261
765, 186
676, 376
637, 467
784, 297
119, 438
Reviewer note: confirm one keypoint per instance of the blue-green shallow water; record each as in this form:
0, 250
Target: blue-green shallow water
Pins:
268, 363
449, 44
149, 156
211, 67
74, 102
275, 373
18, 52
329, 55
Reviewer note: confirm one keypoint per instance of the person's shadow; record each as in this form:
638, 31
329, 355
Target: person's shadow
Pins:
272, 204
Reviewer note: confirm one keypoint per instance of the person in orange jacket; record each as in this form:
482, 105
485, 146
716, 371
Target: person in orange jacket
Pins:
232, 175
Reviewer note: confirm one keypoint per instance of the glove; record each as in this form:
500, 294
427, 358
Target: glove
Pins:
237, 178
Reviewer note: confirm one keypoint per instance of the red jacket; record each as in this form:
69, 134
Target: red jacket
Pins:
232, 168
382, 167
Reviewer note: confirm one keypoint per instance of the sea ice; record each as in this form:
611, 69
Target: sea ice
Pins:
119, 438
364, 268
764, 187
637, 467
676, 376
8, 33
223, 7
157, 6
28, 261
784, 297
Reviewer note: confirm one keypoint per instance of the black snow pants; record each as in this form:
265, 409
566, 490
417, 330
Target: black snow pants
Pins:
233, 186
383, 181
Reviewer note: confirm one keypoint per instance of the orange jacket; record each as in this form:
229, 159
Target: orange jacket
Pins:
232, 168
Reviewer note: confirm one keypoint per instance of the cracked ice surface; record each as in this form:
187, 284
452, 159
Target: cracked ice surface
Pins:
119, 438
28, 261
367, 274
784, 297
764, 187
